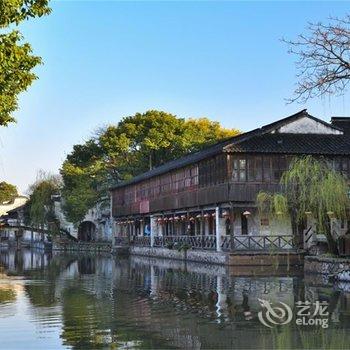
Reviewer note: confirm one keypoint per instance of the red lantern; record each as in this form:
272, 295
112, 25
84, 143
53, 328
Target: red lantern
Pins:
225, 214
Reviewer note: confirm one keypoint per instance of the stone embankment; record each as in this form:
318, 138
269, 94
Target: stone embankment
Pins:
325, 265
83, 246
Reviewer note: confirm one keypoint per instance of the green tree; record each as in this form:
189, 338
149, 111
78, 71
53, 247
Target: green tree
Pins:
40, 204
144, 141
7, 192
16, 59
80, 191
310, 187
119, 152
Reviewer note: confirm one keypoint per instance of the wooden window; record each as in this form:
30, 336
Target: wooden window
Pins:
337, 164
275, 171
255, 168
266, 168
242, 169
340, 164
239, 172
194, 176
235, 170
220, 168
187, 177
344, 167
156, 188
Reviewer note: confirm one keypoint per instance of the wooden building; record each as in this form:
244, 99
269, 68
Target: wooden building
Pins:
208, 198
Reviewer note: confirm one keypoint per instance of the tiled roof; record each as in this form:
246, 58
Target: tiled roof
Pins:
343, 123
295, 144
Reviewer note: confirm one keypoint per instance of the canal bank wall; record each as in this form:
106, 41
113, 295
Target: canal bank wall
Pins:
266, 259
82, 246
189, 255
246, 258
325, 265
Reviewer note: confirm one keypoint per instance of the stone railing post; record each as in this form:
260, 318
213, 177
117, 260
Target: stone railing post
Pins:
218, 229
153, 227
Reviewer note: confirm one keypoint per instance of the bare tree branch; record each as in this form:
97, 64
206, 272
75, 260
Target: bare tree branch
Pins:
323, 65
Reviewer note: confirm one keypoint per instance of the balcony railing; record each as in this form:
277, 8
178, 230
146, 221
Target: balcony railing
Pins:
279, 242
236, 243
144, 241
195, 242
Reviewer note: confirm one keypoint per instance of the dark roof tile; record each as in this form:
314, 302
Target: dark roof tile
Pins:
295, 144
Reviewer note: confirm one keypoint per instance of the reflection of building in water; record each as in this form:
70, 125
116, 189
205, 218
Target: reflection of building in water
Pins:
215, 295
161, 305
157, 303
22, 260
86, 265
337, 301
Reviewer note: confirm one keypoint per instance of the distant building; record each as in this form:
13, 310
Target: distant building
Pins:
13, 204
12, 213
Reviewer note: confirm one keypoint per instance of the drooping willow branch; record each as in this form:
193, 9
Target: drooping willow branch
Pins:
309, 187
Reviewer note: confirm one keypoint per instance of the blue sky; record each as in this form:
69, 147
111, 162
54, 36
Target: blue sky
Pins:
106, 60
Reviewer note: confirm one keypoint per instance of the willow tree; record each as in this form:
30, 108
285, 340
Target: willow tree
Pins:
309, 188
40, 204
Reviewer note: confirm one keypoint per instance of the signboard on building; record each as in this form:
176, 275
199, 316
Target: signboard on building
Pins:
144, 207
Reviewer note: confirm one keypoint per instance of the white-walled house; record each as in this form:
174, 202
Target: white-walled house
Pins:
96, 225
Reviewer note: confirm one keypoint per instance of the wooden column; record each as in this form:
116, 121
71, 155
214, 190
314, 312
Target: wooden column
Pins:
232, 228
152, 227
202, 227
217, 229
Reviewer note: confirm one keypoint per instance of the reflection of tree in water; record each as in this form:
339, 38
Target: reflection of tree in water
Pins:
82, 317
90, 322
7, 295
41, 295
44, 294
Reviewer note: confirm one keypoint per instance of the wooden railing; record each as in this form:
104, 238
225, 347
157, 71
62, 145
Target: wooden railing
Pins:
144, 241
280, 242
195, 242
118, 241
254, 243
226, 243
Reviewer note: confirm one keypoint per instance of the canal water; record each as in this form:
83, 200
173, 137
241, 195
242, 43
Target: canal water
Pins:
64, 301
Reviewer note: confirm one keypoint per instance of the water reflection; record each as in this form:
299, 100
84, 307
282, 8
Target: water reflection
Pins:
68, 301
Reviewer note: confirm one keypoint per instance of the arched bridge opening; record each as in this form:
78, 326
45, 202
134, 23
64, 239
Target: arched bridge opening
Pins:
87, 231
